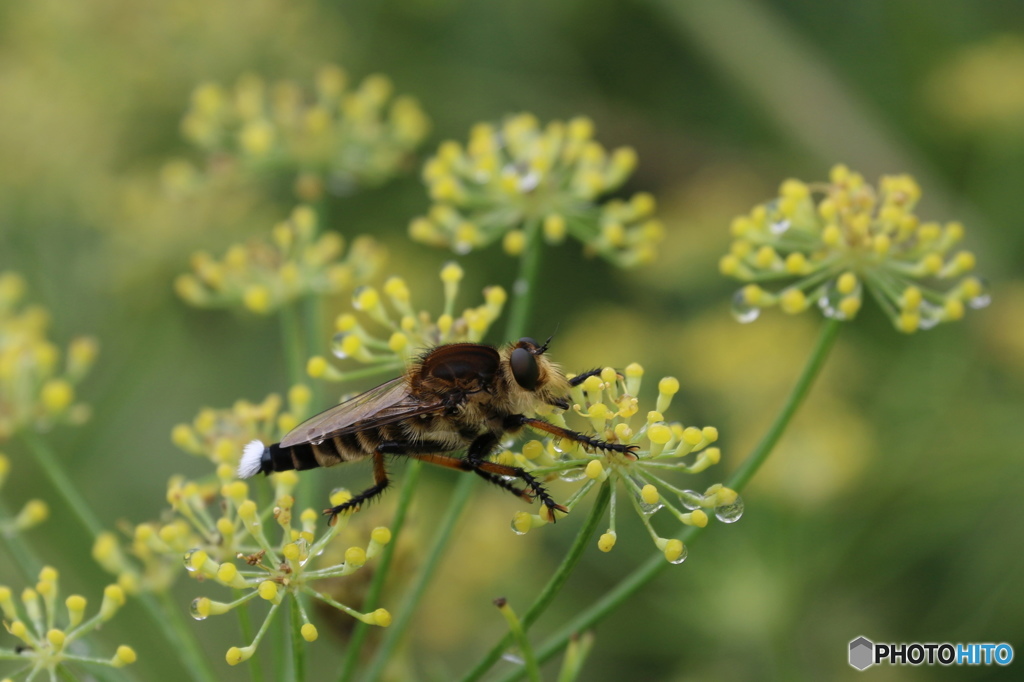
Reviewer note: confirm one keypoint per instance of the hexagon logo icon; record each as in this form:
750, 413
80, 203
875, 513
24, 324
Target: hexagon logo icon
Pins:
862, 653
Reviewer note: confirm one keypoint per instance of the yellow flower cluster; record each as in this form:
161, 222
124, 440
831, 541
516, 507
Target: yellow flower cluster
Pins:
262, 276
517, 182
32, 514
403, 331
220, 435
335, 139
46, 647
832, 240
37, 389
274, 571
609, 404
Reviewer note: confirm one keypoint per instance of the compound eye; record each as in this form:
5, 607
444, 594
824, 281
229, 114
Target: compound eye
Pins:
524, 368
530, 341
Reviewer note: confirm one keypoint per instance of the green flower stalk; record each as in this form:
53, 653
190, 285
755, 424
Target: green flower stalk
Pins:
37, 388
335, 139
665, 449
48, 631
516, 177
389, 333
265, 276
275, 571
830, 241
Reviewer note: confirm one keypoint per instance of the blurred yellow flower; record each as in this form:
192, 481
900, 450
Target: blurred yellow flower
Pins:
263, 276
831, 240
37, 390
398, 332
335, 139
516, 180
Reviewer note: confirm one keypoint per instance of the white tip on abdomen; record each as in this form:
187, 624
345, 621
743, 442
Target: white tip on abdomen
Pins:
252, 459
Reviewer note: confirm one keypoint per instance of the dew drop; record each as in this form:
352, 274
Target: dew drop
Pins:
512, 658
780, 226
573, 475
983, 299
743, 311
193, 609
681, 558
188, 560
929, 315
336, 345
691, 499
730, 513
829, 302
515, 529
529, 182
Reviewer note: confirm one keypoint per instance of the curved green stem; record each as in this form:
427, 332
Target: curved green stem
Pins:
355, 643
526, 282
555, 584
298, 643
60, 480
656, 564
21, 554
419, 585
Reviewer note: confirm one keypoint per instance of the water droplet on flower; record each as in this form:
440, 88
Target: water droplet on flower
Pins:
730, 513
743, 311
573, 475
829, 301
691, 499
193, 609
512, 658
681, 558
780, 226
516, 529
336, 345
929, 315
529, 182
188, 560
982, 299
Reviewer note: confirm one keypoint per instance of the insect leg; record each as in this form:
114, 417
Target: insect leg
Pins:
380, 483
493, 472
580, 378
516, 421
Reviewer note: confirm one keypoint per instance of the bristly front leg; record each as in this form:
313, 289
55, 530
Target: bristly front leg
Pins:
476, 457
517, 421
380, 483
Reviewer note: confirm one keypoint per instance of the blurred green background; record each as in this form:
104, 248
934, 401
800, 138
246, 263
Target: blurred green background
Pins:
892, 508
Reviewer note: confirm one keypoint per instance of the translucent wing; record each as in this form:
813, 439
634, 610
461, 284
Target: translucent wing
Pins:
388, 403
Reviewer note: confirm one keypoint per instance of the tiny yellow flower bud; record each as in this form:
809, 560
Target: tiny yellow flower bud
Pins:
247, 510
57, 395
355, 556
381, 535
56, 638
649, 494
554, 228
673, 550
793, 301
699, 518
382, 617
659, 433
257, 298
594, 469
267, 590
124, 655
308, 632
607, 541
522, 522
846, 283
235, 655
113, 599
533, 449
316, 367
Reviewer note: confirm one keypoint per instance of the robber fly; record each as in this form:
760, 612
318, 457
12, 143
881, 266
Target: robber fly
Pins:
460, 396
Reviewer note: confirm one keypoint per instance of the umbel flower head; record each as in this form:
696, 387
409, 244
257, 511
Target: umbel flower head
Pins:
337, 138
220, 435
32, 514
516, 179
277, 570
389, 333
608, 402
829, 241
50, 633
200, 514
262, 276
37, 388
